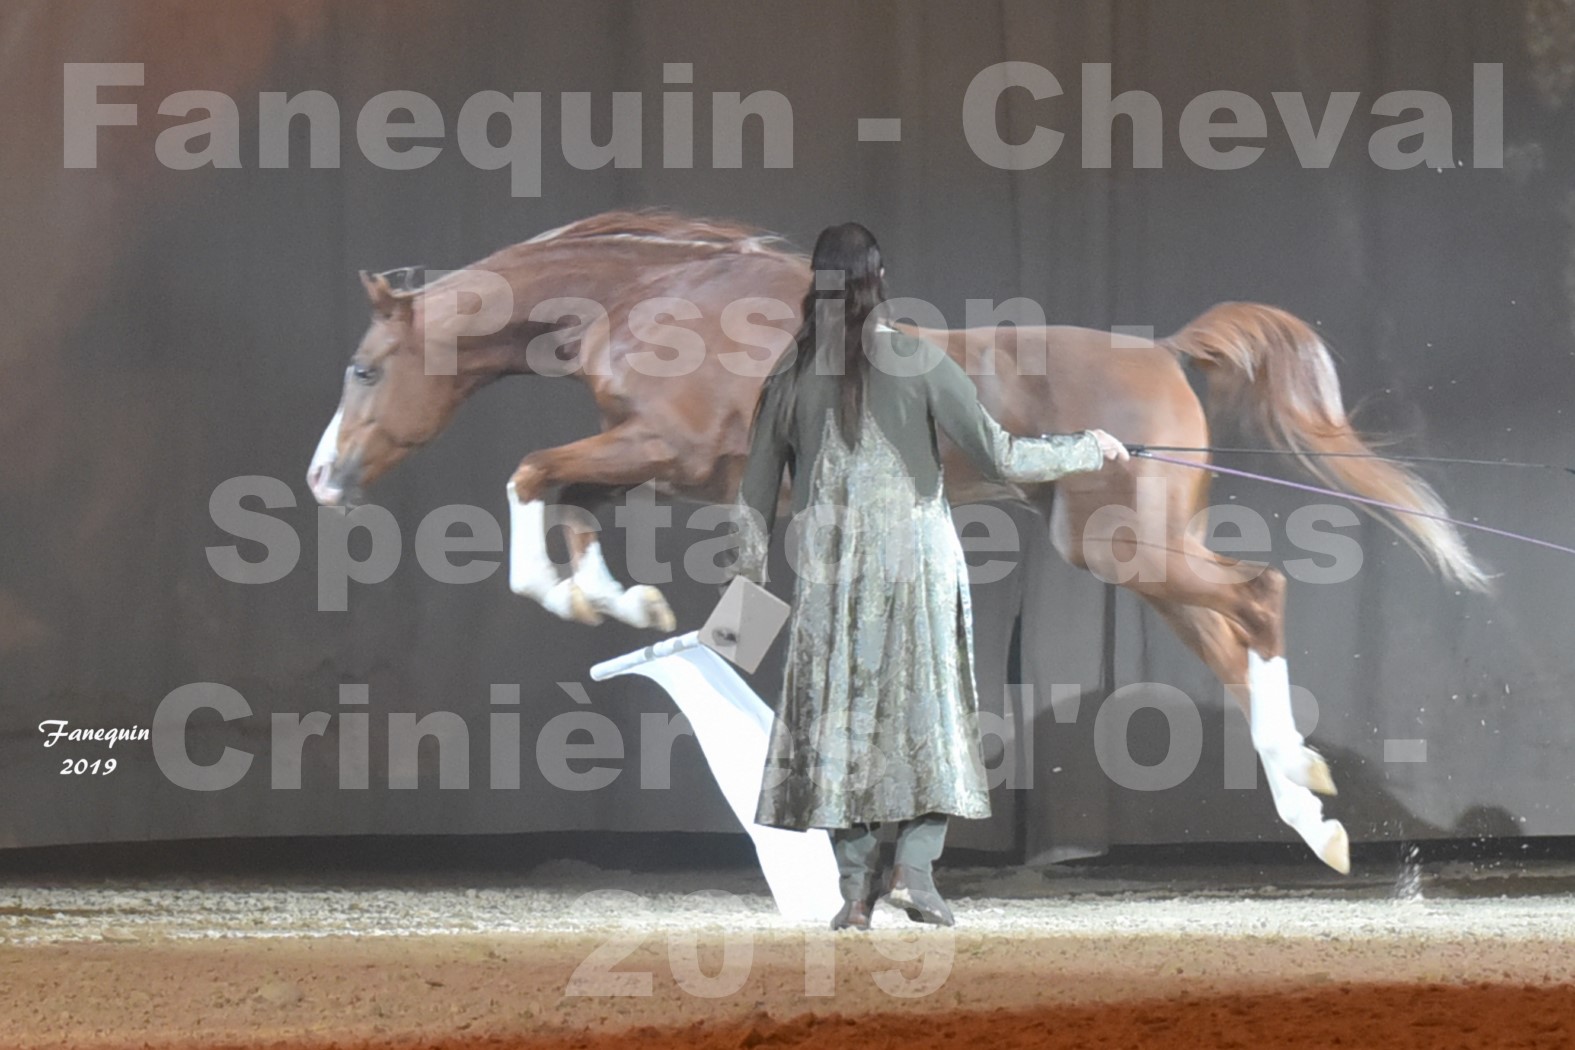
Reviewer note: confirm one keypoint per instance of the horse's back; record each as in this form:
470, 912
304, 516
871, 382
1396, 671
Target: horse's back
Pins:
1062, 378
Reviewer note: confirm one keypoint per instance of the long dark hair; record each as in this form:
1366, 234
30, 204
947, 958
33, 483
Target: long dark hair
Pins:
847, 289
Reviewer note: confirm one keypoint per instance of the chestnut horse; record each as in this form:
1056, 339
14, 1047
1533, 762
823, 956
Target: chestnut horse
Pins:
721, 301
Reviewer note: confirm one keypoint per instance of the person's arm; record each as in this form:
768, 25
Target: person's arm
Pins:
998, 455
755, 510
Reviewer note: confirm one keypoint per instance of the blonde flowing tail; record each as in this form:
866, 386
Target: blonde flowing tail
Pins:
1271, 367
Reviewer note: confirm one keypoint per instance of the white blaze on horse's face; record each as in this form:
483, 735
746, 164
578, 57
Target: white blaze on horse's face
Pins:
389, 405
319, 476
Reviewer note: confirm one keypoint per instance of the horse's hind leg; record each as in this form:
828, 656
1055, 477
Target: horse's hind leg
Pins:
1232, 614
620, 457
1293, 770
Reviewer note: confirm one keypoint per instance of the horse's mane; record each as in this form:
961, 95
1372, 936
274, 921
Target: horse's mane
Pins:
658, 226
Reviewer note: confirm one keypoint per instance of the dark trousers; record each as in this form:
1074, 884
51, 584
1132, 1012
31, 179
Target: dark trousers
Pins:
919, 843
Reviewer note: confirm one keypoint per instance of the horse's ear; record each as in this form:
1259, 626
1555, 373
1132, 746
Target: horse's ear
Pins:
385, 301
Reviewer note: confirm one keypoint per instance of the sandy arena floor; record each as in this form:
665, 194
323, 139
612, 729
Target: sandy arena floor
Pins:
575, 956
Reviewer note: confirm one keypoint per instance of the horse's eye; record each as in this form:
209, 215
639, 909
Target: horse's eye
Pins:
365, 373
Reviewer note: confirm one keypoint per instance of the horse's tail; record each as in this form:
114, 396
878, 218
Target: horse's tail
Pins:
1271, 367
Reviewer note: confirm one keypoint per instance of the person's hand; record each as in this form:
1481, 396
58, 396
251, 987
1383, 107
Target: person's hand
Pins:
1115, 451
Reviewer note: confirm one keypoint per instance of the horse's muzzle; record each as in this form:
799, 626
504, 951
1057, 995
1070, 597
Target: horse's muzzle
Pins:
335, 486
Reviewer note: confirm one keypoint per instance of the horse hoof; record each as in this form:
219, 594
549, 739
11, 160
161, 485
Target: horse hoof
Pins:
1319, 778
581, 609
1337, 851
658, 614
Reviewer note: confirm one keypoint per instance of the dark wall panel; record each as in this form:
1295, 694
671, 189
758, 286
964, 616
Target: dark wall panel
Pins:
168, 330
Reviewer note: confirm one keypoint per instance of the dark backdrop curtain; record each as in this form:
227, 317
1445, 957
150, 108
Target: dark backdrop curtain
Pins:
165, 331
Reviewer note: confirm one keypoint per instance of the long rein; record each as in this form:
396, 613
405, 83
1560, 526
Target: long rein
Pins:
1157, 454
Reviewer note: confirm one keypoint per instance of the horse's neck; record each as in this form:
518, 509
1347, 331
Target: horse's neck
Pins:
484, 363
577, 275
508, 352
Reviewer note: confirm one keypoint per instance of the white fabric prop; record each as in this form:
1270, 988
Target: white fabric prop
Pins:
732, 725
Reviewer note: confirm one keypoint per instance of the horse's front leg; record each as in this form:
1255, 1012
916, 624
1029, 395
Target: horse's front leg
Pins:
639, 606
532, 573
619, 458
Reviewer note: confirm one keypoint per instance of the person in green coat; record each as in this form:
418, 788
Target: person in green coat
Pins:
878, 716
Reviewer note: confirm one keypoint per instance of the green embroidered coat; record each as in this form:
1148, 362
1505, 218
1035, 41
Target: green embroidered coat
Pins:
878, 716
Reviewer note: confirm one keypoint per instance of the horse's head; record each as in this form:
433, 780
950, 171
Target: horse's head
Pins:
390, 405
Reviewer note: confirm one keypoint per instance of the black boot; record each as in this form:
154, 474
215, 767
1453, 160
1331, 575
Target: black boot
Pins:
856, 849
856, 914
912, 886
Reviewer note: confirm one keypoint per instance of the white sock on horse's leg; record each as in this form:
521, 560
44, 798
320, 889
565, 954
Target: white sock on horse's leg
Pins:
1269, 685
638, 606
594, 578
1303, 811
1273, 725
1290, 767
531, 572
